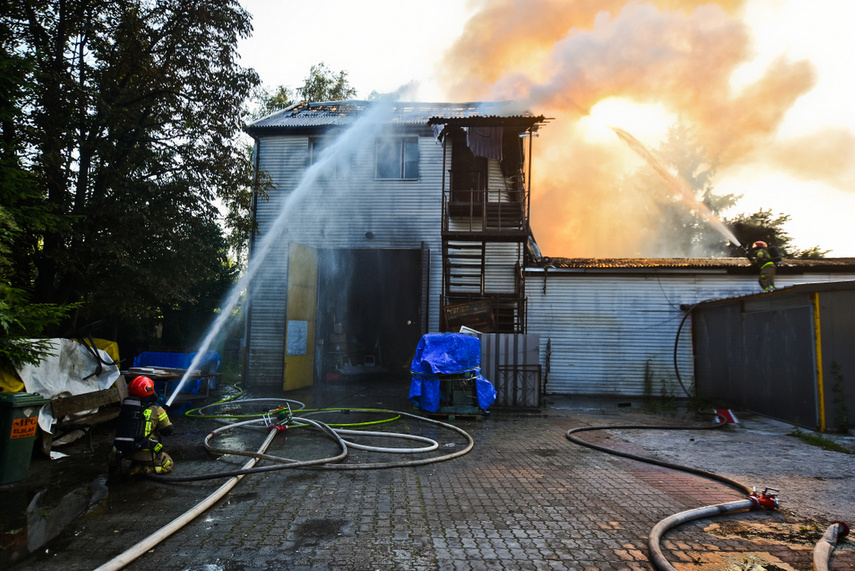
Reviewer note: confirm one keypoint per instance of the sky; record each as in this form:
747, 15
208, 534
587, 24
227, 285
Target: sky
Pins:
766, 86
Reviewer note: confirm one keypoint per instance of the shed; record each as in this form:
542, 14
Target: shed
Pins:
786, 354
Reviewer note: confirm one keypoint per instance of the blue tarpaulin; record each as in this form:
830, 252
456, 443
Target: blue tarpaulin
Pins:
447, 354
209, 363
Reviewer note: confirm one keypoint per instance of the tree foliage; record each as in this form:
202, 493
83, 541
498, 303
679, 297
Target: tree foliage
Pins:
268, 102
125, 132
21, 321
680, 229
764, 226
322, 84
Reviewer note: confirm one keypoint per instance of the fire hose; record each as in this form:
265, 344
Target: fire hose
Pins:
824, 548
767, 499
149, 542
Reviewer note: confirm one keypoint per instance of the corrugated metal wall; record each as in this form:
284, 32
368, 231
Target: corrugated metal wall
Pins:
283, 159
354, 213
604, 328
760, 354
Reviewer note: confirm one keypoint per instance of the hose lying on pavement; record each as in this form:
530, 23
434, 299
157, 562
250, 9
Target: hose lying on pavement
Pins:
656, 558
149, 542
323, 463
824, 549
711, 475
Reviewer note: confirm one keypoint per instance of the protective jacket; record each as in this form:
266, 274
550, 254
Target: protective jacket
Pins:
151, 457
763, 260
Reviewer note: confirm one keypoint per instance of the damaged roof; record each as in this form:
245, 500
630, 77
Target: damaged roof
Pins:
343, 113
788, 265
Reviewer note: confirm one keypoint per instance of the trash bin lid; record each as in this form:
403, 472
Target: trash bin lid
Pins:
17, 400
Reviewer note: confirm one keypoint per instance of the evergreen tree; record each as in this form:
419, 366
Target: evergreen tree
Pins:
678, 227
764, 226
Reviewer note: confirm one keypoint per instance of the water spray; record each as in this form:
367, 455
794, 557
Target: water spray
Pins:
677, 184
365, 127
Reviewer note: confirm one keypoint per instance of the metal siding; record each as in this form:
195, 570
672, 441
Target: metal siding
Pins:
780, 388
604, 328
837, 319
281, 158
502, 258
336, 214
759, 354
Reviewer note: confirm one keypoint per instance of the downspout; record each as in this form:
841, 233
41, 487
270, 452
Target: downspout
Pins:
817, 335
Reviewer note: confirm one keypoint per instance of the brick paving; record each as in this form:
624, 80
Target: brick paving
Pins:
524, 498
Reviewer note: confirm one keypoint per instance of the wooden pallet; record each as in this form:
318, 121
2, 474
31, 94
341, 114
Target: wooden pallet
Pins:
448, 415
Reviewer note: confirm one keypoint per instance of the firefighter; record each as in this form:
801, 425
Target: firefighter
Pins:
147, 456
763, 259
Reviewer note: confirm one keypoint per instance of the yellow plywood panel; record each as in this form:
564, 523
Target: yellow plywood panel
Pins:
302, 311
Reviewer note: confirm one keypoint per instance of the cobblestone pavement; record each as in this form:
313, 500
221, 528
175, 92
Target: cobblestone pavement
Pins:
523, 498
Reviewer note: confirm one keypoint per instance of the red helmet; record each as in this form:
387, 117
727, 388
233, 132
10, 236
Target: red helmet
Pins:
141, 387
759, 244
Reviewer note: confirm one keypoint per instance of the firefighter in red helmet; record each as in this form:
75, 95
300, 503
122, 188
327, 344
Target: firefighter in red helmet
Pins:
141, 425
763, 259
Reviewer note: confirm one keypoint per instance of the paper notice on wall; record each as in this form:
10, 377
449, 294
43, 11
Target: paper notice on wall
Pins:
297, 340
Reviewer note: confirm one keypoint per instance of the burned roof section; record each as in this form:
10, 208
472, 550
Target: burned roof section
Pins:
734, 265
343, 113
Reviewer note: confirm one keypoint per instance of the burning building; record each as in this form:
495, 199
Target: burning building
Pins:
390, 226
388, 221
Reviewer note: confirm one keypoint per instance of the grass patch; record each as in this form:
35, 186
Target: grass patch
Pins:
821, 441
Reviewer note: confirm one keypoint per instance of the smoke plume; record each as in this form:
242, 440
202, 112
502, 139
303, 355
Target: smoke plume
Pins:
560, 58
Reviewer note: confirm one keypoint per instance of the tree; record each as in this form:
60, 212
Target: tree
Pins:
764, 226
21, 321
269, 102
128, 132
324, 85
680, 229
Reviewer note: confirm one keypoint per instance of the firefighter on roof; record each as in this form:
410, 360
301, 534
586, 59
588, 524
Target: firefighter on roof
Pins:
761, 257
141, 425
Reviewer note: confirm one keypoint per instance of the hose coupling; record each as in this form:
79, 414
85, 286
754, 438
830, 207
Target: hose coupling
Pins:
767, 500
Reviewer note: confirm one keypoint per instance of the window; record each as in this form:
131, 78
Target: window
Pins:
337, 167
397, 158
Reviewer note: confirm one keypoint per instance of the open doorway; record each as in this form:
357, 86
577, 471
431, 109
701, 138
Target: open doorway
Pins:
368, 312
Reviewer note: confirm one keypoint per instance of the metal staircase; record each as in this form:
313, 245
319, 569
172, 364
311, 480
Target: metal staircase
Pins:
485, 226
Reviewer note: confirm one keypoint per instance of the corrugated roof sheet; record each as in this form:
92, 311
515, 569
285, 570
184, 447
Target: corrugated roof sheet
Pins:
789, 264
342, 113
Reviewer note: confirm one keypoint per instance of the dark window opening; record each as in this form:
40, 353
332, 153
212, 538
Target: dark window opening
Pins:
397, 158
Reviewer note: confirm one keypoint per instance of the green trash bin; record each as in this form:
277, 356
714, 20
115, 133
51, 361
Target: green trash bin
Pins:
19, 418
